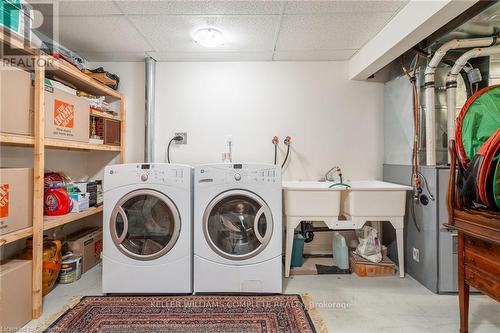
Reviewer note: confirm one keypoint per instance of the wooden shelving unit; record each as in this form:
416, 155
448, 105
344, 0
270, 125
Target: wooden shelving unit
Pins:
50, 222
46, 66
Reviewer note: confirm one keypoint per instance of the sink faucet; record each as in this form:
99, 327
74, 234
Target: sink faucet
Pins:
328, 177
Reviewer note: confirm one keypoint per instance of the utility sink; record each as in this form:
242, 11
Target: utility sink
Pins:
372, 198
312, 199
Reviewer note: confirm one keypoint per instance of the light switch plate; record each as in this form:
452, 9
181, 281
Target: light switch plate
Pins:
184, 136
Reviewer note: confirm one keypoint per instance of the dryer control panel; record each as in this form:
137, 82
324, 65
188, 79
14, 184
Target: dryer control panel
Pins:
238, 173
147, 173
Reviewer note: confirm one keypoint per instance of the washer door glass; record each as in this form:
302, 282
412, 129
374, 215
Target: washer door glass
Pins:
145, 224
238, 224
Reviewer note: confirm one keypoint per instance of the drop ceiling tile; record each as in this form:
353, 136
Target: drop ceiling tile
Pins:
90, 8
339, 31
315, 55
100, 34
114, 56
242, 32
200, 7
212, 56
328, 7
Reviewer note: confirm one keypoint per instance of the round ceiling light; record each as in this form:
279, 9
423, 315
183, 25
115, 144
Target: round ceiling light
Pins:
209, 37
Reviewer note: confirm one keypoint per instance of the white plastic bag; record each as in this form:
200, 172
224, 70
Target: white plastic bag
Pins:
369, 244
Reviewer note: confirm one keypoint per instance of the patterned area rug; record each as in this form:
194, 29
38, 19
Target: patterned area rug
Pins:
188, 314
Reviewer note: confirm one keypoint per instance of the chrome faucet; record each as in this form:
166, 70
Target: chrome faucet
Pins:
328, 176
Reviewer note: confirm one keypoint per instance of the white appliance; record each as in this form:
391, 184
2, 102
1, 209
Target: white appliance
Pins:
147, 241
237, 228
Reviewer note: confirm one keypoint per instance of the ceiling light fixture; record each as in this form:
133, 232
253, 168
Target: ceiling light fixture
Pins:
209, 37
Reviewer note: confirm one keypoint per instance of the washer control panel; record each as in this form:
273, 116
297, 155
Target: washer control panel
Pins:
157, 174
238, 174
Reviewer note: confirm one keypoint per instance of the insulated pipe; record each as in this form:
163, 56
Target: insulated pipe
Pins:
150, 109
430, 107
451, 82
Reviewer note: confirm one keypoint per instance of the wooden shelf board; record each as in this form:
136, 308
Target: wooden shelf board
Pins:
50, 222
16, 235
74, 145
16, 139
68, 73
24, 140
16, 42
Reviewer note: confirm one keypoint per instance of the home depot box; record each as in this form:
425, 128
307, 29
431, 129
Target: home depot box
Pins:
16, 115
15, 294
88, 244
16, 199
66, 115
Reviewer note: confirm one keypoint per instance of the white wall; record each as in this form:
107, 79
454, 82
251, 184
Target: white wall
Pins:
332, 121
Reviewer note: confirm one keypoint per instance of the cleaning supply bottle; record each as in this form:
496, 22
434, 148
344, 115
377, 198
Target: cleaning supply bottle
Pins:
340, 251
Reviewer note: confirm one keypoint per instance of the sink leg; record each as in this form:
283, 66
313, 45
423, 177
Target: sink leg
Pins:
291, 224
401, 250
288, 250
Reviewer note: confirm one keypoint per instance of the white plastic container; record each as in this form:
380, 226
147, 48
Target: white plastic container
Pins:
340, 251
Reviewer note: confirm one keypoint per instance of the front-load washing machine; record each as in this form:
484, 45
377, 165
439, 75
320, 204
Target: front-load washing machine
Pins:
237, 229
147, 245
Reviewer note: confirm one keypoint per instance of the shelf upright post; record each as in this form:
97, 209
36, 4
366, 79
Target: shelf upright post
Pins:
38, 169
123, 130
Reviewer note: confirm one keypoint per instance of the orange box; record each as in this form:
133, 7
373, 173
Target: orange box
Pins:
16, 199
66, 116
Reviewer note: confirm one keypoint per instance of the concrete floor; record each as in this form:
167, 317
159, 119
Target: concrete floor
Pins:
346, 304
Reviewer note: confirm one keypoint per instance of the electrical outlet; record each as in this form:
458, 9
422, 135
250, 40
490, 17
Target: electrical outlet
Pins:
416, 255
184, 138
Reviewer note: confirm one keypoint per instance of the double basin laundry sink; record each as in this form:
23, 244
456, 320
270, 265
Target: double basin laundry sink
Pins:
369, 198
360, 202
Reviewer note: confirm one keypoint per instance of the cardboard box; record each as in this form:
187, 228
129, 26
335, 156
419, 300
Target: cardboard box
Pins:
15, 294
16, 199
365, 268
66, 116
88, 244
81, 202
16, 115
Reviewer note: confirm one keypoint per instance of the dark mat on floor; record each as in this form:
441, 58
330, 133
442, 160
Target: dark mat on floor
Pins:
322, 269
186, 314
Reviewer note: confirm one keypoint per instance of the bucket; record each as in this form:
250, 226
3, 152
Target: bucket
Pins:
297, 250
71, 269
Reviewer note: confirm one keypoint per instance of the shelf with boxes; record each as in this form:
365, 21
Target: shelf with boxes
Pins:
49, 222
68, 115
50, 113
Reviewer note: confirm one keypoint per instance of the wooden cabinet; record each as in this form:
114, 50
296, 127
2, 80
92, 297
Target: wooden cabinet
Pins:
478, 247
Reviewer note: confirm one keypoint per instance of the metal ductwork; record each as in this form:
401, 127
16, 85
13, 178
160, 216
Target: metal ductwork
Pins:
150, 109
451, 82
430, 114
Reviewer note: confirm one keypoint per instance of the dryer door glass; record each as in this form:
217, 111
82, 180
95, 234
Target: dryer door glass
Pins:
238, 224
145, 224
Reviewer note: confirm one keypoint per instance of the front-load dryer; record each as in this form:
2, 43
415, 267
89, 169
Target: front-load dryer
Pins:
237, 229
147, 245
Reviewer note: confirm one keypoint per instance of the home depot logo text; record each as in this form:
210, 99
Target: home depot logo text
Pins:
4, 200
64, 114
